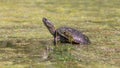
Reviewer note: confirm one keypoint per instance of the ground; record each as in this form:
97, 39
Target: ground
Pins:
26, 43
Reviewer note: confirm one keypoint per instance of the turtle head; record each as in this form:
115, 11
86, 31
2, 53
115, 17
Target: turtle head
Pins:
49, 25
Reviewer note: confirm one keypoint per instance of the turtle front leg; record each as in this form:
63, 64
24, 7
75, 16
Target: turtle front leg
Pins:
55, 38
55, 41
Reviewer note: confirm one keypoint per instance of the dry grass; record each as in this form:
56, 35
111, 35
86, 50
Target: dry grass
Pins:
25, 42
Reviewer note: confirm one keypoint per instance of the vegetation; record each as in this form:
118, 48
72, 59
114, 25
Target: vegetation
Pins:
26, 43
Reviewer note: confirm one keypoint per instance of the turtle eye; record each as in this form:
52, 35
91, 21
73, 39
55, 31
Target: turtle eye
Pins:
44, 19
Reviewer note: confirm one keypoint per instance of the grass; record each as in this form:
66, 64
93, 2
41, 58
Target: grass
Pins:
26, 43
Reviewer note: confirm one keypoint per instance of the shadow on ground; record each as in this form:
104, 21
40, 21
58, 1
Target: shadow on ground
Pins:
24, 51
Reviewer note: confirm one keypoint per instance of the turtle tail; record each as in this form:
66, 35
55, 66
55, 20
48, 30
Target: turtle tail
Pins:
87, 40
49, 25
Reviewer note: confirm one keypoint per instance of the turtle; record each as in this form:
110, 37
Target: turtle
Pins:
66, 34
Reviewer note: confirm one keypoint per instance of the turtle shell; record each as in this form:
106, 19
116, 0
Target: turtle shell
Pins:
73, 35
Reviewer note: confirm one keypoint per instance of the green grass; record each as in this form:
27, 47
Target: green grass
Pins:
26, 43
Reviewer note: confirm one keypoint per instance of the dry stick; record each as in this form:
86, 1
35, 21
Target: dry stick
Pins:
4, 43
